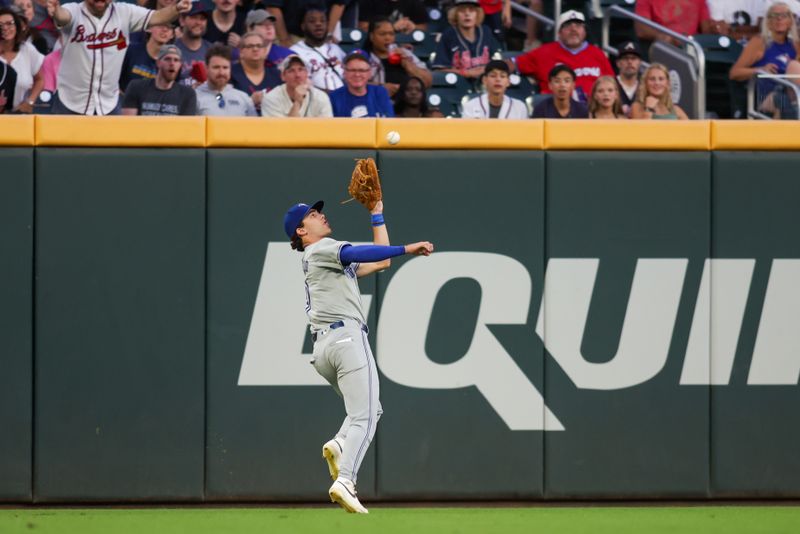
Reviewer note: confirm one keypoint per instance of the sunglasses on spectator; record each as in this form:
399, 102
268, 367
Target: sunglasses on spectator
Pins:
220, 101
254, 46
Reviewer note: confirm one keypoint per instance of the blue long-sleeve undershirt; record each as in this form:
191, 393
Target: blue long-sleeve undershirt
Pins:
369, 253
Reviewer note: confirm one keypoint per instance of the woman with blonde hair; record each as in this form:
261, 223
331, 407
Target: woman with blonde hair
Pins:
654, 100
466, 47
604, 102
774, 51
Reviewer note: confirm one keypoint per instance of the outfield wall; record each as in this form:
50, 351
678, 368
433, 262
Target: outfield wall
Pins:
613, 310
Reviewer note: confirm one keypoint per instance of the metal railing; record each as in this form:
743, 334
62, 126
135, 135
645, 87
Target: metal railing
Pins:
692, 47
781, 80
547, 21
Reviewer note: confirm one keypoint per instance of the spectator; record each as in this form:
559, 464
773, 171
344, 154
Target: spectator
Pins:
216, 96
141, 36
498, 16
191, 43
532, 26
467, 45
741, 17
44, 23
391, 65
140, 59
587, 61
82, 88
23, 58
604, 102
226, 24
357, 98
8, 82
50, 66
494, 103
406, 15
562, 81
296, 97
687, 17
323, 59
655, 100
293, 11
161, 95
412, 102
771, 52
27, 13
261, 22
250, 74
629, 62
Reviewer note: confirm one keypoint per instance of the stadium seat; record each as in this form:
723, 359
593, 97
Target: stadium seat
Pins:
437, 20
723, 97
424, 43
351, 39
521, 87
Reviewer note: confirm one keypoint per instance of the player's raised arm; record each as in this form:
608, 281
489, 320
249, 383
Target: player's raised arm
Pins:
380, 236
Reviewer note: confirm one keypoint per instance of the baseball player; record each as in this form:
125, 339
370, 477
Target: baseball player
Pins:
96, 34
342, 354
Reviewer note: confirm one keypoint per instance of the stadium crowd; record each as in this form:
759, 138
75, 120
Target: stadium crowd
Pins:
290, 58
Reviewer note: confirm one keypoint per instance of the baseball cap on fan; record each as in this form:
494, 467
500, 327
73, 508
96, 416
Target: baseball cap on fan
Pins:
571, 16
296, 214
629, 48
200, 7
288, 60
258, 16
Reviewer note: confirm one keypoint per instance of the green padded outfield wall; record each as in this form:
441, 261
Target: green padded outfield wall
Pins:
593, 325
120, 300
16, 322
755, 420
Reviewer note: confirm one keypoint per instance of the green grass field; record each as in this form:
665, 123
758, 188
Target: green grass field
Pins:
411, 520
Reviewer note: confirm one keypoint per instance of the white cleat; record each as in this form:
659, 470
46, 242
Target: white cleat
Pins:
332, 451
343, 492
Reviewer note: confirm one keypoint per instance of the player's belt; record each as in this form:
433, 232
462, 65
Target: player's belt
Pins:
333, 326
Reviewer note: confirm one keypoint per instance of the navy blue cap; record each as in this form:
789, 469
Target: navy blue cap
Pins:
296, 214
200, 6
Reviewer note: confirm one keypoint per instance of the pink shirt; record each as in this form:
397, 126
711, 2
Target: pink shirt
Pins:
50, 70
682, 16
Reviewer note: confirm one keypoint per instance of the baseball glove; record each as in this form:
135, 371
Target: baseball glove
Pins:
365, 185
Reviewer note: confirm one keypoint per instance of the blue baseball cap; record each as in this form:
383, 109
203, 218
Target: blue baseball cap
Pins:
296, 214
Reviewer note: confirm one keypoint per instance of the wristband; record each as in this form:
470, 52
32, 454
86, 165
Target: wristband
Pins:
377, 219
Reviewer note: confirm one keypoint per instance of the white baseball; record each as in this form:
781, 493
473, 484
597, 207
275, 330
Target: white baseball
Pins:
393, 137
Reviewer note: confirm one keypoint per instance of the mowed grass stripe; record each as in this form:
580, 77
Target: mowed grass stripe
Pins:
560, 520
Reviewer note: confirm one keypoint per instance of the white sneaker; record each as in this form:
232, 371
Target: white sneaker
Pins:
343, 492
332, 451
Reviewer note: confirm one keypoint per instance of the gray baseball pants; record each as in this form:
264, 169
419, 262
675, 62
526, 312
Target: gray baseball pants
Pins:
344, 358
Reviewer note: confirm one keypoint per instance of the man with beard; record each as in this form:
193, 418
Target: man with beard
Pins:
324, 59
587, 61
96, 34
629, 61
191, 43
216, 97
161, 95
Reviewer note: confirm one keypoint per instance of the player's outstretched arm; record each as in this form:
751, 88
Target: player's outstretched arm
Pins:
423, 248
368, 255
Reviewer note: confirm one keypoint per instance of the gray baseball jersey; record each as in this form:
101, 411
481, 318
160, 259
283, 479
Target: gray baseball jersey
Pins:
332, 292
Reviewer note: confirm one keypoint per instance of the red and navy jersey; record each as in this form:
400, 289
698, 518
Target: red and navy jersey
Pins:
589, 64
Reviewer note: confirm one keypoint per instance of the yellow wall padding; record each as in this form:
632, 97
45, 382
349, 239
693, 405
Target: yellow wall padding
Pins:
290, 133
626, 135
16, 130
462, 133
755, 135
120, 131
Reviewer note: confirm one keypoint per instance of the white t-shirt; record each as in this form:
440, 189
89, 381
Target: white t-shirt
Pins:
741, 12
324, 64
94, 49
27, 64
277, 103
